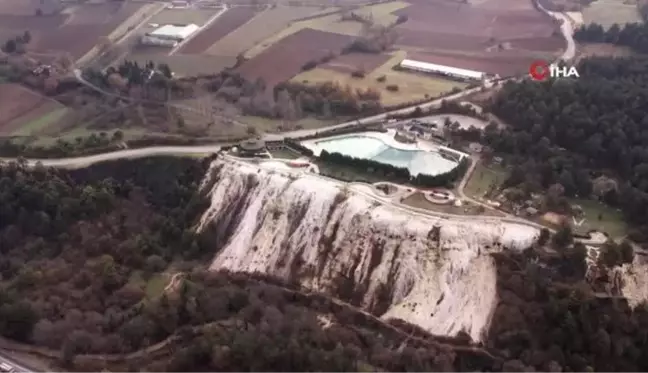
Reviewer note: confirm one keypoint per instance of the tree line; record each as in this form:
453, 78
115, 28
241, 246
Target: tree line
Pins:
571, 133
399, 174
632, 35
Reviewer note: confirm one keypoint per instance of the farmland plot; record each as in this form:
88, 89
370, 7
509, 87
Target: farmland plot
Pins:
608, 12
411, 86
16, 102
286, 58
348, 63
183, 16
226, 23
259, 28
17, 8
89, 23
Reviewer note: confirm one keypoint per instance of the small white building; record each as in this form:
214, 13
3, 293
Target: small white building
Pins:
175, 32
169, 35
454, 72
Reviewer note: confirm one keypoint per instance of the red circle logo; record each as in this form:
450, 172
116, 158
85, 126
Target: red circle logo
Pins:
539, 70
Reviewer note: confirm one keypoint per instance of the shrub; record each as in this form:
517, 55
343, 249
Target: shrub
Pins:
358, 74
309, 65
381, 79
392, 87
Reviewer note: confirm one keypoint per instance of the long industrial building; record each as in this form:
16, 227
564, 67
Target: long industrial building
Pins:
454, 72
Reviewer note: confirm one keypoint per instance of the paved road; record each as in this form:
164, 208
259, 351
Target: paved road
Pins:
121, 154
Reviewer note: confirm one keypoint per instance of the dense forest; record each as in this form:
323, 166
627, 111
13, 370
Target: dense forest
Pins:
78, 247
574, 133
73, 243
632, 35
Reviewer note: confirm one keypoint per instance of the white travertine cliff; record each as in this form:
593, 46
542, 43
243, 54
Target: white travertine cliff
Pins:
430, 271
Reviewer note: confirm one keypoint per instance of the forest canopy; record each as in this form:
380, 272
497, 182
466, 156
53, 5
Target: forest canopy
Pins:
570, 132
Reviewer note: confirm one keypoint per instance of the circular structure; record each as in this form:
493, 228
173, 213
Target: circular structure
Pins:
252, 147
439, 196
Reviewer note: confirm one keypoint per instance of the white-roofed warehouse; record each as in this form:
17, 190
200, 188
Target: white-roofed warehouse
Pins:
441, 69
174, 32
169, 35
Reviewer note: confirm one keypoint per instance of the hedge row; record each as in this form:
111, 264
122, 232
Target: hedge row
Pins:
401, 174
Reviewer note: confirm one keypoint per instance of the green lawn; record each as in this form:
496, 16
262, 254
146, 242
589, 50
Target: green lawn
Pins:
611, 221
349, 174
484, 179
38, 124
285, 153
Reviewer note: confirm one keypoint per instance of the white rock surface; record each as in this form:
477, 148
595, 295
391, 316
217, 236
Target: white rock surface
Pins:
339, 240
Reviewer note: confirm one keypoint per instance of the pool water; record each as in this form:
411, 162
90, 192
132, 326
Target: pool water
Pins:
416, 161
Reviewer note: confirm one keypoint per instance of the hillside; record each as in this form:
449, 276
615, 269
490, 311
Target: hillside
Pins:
81, 248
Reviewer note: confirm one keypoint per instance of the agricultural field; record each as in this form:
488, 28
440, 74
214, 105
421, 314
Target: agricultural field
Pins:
259, 28
75, 31
180, 61
286, 58
28, 8
223, 25
609, 12
183, 16
23, 111
381, 14
411, 86
491, 32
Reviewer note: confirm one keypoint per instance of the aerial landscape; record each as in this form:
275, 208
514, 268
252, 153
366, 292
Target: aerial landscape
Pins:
331, 185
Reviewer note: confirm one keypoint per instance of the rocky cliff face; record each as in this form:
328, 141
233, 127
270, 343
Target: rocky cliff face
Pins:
430, 271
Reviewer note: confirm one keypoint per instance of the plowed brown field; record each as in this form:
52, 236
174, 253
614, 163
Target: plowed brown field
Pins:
472, 35
74, 33
286, 58
226, 23
348, 63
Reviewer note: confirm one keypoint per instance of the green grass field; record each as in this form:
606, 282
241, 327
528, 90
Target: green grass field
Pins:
348, 174
38, 124
285, 153
601, 217
484, 179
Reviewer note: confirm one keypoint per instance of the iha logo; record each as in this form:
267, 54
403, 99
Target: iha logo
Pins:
541, 70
